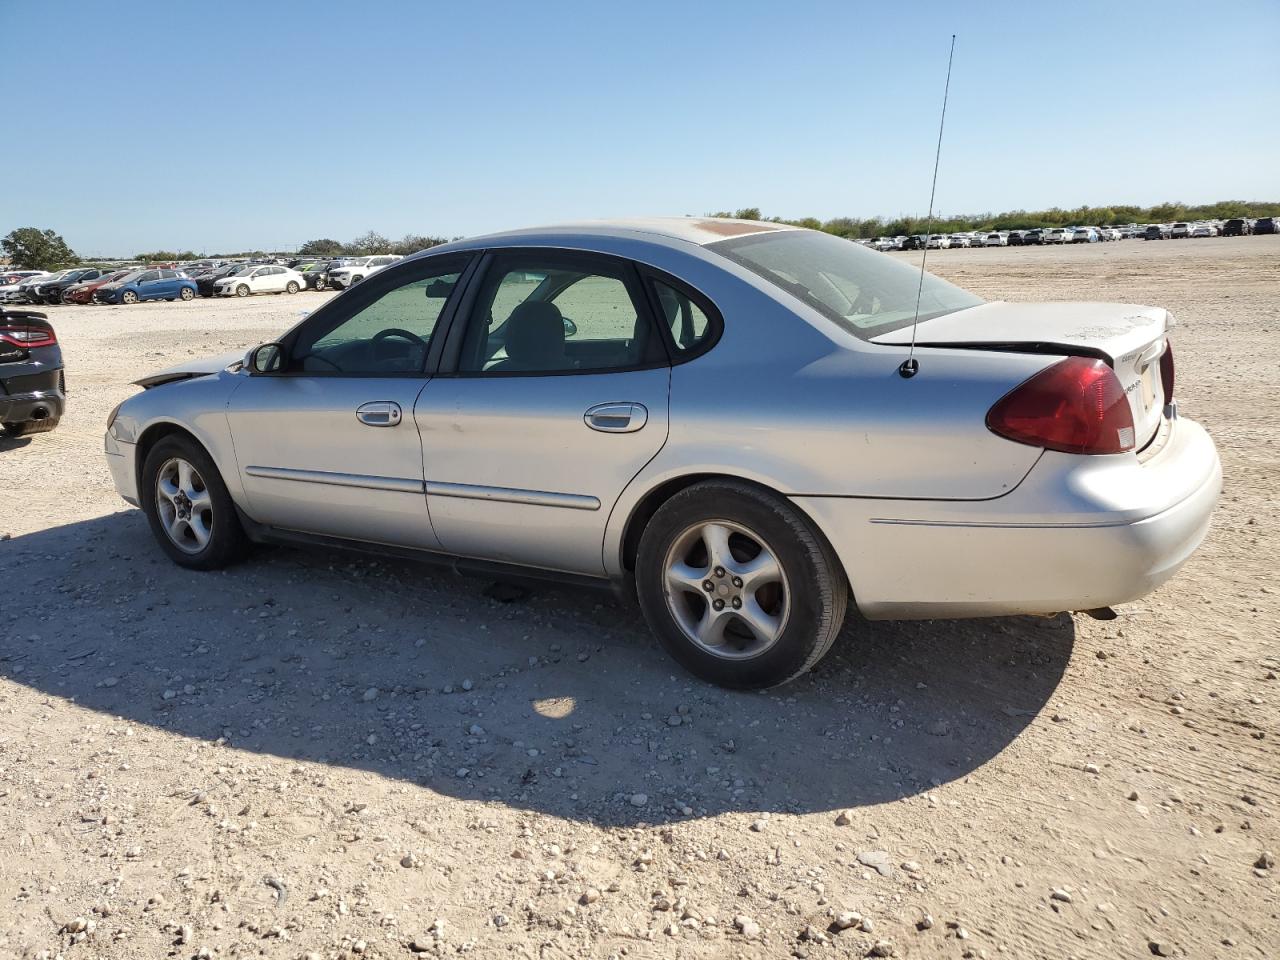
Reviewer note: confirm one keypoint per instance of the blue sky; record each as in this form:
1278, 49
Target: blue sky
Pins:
232, 125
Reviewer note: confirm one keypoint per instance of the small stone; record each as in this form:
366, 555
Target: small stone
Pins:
409, 861
1060, 895
370, 694
1159, 948
758, 825
168, 695
359, 947
1133, 794
108, 681
501, 920
186, 933
846, 919
674, 720
590, 895
882, 948
1266, 860
813, 934
476, 730
639, 799
878, 860
1090, 768
467, 684
939, 728
925, 922
867, 925
746, 926
843, 818
77, 925
371, 739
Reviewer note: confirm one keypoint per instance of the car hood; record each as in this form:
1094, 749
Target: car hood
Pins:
190, 369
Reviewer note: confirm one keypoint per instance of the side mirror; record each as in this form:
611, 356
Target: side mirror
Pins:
265, 358
570, 328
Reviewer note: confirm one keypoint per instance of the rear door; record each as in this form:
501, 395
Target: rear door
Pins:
556, 397
148, 285
327, 444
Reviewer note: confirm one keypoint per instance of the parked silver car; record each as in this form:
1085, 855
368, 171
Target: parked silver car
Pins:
724, 418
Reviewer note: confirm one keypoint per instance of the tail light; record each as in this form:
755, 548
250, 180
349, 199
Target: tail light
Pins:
1076, 406
26, 335
1166, 372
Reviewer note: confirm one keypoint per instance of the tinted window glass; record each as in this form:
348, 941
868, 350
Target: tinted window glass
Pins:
148, 276
542, 314
689, 324
389, 335
864, 292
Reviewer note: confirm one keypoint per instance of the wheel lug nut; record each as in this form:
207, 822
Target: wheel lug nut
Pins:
719, 571
718, 604
737, 581
737, 603
708, 586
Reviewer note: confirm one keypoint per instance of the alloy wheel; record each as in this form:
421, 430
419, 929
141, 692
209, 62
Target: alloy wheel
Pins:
184, 505
726, 589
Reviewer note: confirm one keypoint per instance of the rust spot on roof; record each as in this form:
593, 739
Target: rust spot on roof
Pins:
735, 228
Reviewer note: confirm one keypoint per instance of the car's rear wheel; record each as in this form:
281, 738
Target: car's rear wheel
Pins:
187, 293
291, 287
188, 507
242, 291
737, 586
128, 297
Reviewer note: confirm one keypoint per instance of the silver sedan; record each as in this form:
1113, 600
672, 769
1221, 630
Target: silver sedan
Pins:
726, 419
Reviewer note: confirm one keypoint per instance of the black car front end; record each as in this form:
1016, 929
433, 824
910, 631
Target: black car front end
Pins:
32, 385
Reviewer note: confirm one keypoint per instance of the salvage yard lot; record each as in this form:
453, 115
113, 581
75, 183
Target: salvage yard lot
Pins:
321, 752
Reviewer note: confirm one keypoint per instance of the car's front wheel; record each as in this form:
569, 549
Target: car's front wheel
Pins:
128, 297
187, 293
242, 291
738, 586
188, 507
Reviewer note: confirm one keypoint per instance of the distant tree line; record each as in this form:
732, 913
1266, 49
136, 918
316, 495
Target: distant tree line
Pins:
854, 227
367, 245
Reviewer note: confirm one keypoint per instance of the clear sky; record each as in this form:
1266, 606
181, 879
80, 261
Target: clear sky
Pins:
232, 125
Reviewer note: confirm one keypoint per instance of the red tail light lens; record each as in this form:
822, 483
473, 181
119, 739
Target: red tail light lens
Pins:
22, 335
1076, 406
1166, 372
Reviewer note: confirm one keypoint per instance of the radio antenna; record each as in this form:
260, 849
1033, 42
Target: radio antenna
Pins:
911, 366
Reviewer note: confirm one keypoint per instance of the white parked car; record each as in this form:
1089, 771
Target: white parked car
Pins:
937, 242
995, 239
10, 292
259, 278
1057, 235
358, 269
1204, 230
962, 239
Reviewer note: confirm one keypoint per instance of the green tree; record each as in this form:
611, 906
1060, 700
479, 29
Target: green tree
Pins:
369, 243
36, 249
320, 248
412, 243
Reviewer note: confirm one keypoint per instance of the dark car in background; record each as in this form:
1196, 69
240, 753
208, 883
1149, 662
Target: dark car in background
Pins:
142, 285
32, 386
1267, 225
1033, 237
206, 279
317, 272
1237, 227
1157, 231
50, 291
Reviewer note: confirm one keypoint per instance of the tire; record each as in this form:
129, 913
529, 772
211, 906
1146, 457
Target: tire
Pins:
225, 540
28, 427
807, 620
242, 291
320, 286
291, 287
187, 294
354, 280
129, 297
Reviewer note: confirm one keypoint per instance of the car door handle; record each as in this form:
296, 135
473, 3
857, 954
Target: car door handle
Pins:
379, 413
617, 417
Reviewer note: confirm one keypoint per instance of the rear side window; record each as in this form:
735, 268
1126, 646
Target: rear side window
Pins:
686, 315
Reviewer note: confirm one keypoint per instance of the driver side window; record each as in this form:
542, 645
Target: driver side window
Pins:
387, 336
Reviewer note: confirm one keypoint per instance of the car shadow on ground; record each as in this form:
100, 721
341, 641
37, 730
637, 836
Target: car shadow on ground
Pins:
556, 701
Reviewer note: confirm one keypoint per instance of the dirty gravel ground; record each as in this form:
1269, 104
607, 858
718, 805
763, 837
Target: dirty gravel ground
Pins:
323, 755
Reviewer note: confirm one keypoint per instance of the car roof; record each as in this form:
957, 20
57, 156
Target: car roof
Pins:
669, 231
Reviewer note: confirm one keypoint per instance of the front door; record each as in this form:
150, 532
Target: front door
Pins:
327, 443
557, 399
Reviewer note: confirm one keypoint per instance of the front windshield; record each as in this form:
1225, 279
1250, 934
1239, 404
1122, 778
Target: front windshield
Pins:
865, 292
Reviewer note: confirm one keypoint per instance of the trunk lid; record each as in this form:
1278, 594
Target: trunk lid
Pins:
1129, 338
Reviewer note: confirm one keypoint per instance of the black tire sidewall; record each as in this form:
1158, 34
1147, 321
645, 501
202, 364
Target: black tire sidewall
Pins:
805, 565
227, 540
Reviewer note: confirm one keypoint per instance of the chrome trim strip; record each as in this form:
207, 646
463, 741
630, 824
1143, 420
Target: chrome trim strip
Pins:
994, 525
391, 484
537, 498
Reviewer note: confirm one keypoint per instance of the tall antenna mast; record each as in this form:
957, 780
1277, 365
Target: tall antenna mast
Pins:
911, 366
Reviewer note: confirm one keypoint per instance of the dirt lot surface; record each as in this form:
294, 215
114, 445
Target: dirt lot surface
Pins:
321, 755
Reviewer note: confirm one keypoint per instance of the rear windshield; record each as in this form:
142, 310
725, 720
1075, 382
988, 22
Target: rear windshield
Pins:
864, 292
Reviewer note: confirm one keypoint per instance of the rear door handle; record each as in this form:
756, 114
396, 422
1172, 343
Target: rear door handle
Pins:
379, 413
617, 417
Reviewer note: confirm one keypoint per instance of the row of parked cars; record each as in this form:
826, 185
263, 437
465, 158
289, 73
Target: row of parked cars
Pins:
185, 281
1239, 226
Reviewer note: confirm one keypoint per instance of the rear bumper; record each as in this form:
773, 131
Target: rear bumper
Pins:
36, 405
1078, 533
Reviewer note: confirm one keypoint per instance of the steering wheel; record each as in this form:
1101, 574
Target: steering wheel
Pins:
383, 335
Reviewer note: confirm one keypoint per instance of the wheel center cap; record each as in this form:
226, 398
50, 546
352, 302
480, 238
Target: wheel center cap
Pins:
183, 505
723, 589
